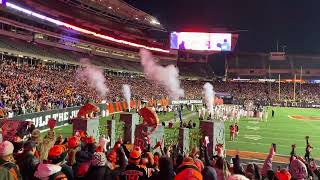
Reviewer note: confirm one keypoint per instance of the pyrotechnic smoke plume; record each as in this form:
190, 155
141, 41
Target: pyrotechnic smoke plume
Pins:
165, 76
208, 95
95, 76
126, 94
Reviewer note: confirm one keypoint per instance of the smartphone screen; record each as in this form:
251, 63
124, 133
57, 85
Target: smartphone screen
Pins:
274, 147
206, 139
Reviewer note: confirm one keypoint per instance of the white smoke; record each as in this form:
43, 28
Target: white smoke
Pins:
95, 76
209, 96
126, 94
165, 76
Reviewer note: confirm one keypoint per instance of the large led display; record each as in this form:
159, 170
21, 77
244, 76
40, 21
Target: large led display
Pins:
200, 41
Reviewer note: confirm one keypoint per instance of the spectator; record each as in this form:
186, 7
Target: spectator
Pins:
27, 161
283, 174
209, 173
188, 170
166, 169
18, 142
47, 143
298, 169
237, 168
133, 171
7, 160
49, 171
113, 169
98, 169
267, 166
237, 177
57, 155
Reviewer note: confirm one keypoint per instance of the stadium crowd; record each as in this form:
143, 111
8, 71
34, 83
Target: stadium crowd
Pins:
26, 88
28, 156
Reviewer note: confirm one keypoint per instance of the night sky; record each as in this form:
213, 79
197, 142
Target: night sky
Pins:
294, 23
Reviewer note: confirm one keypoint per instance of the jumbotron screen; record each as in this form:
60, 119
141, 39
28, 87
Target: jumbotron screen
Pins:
200, 41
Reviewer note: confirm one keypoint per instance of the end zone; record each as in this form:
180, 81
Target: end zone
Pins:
301, 117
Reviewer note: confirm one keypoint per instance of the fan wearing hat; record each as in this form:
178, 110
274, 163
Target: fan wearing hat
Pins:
78, 158
283, 174
7, 160
116, 162
133, 171
73, 146
85, 154
48, 142
26, 161
57, 155
35, 136
188, 170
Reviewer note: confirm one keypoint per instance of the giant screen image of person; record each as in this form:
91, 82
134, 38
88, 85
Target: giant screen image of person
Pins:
225, 46
174, 41
182, 46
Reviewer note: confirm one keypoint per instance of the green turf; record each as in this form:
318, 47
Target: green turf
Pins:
281, 130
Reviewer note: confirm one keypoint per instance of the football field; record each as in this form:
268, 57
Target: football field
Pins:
289, 126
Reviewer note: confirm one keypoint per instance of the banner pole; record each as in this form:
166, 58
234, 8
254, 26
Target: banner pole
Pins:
294, 87
300, 83
279, 88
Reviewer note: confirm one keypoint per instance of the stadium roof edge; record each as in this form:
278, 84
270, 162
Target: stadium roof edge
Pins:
127, 9
82, 30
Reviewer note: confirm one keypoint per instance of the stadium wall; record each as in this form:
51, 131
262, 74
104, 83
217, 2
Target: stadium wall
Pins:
40, 119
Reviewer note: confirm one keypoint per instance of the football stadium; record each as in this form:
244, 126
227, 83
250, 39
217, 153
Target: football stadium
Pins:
130, 89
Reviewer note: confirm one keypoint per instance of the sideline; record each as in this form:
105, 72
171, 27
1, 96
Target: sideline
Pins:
278, 158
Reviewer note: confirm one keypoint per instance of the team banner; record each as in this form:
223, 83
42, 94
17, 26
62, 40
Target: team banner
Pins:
40, 119
193, 101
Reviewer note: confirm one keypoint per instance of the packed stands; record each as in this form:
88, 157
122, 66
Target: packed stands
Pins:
195, 69
66, 55
259, 65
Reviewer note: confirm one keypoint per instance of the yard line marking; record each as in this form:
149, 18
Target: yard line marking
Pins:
252, 137
253, 128
281, 133
253, 122
282, 130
